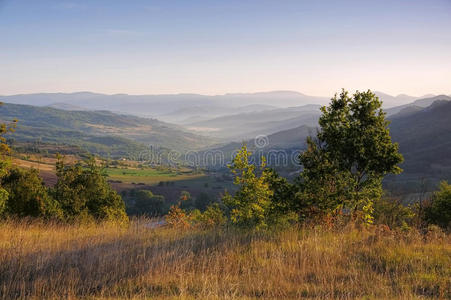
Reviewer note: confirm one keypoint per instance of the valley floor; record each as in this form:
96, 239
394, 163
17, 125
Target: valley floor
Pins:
40, 260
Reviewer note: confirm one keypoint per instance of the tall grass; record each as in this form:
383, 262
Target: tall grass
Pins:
40, 260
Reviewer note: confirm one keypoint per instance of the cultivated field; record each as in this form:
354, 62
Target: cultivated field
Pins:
103, 261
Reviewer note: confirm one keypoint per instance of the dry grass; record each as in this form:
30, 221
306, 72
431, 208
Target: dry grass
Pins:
104, 261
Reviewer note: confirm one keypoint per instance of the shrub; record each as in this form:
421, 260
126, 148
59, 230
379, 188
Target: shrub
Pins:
392, 213
439, 209
146, 203
84, 190
27, 195
177, 217
213, 216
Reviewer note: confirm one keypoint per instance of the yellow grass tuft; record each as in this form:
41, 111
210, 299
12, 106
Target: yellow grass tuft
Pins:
40, 260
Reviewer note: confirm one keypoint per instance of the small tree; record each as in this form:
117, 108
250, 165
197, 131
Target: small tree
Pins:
353, 152
250, 206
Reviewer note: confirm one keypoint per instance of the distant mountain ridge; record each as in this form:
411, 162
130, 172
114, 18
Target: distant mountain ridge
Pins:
419, 104
160, 105
246, 125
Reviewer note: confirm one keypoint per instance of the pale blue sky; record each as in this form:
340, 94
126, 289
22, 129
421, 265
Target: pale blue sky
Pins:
215, 47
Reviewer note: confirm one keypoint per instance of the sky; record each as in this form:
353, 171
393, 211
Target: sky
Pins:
216, 47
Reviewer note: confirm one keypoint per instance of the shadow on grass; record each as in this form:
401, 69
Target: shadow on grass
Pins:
109, 268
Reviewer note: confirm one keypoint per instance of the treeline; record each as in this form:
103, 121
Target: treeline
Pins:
145, 203
81, 193
340, 182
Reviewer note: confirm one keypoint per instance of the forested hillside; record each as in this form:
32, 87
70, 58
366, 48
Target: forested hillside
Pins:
99, 132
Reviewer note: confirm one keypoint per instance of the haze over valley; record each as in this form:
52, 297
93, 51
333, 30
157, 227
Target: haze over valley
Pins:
256, 149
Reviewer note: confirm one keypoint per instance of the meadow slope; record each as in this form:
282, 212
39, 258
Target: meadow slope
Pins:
40, 260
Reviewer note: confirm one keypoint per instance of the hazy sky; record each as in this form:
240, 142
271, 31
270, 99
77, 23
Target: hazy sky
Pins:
215, 47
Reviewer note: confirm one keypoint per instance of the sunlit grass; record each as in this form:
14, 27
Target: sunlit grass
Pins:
40, 260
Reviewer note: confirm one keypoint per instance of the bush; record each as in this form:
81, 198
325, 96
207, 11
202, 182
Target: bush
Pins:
438, 211
27, 195
392, 213
177, 217
213, 216
85, 191
146, 203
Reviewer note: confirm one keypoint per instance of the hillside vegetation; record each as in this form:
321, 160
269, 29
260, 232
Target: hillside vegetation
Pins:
99, 132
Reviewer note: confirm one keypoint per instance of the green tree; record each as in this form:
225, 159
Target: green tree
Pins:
149, 204
283, 195
4, 162
345, 165
439, 210
84, 191
250, 206
28, 196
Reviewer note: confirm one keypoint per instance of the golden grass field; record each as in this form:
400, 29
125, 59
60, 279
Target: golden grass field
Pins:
103, 261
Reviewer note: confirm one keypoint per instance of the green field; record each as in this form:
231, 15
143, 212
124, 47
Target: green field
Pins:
150, 176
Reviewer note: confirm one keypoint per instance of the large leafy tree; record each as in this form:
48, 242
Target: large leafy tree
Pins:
345, 164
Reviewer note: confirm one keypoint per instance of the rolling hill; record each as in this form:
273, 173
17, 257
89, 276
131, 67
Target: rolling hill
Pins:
96, 130
243, 126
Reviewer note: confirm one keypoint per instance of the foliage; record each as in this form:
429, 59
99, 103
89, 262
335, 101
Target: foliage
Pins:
200, 202
177, 217
146, 203
439, 210
4, 164
85, 191
284, 202
3, 200
345, 165
392, 213
99, 132
213, 216
27, 195
250, 206
4, 129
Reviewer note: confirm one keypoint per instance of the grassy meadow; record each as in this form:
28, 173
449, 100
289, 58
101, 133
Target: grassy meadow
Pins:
100, 261
129, 173
149, 176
